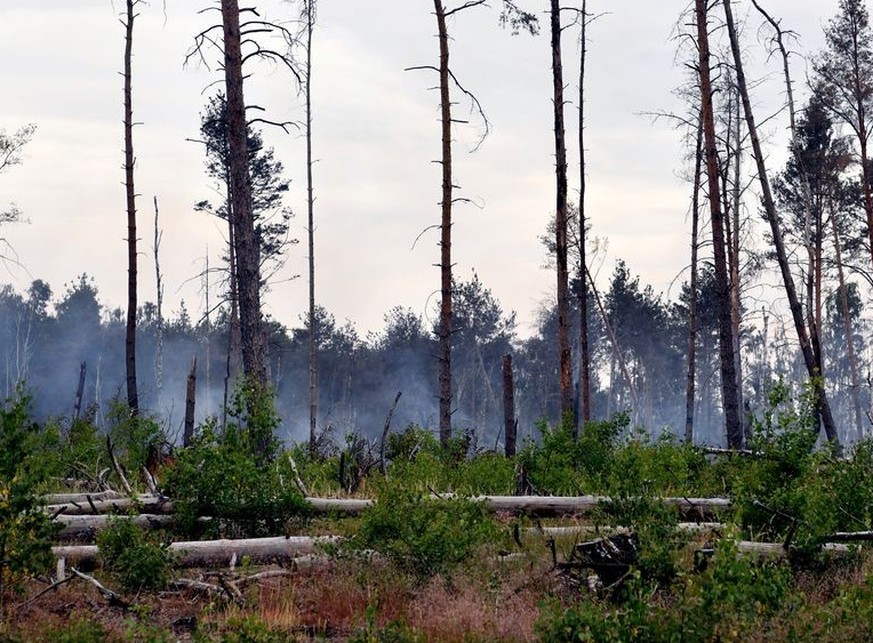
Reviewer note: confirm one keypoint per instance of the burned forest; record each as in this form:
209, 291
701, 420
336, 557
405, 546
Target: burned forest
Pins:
472, 320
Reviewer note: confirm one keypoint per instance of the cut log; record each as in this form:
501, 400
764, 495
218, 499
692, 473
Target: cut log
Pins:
214, 553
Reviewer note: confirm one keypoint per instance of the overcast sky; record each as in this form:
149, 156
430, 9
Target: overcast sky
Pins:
376, 135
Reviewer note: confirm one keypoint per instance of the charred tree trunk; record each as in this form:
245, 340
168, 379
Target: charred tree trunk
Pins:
734, 266
561, 217
245, 245
80, 391
310, 211
129, 161
509, 422
693, 321
813, 367
190, 402
730, 400
584, 354
445, 323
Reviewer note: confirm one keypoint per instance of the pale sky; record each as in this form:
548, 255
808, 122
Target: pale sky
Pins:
376, 135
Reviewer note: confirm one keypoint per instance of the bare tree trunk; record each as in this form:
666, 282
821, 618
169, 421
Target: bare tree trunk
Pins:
129, 161
813, 367
584, 354
445, 325
190, 401
847, 330
80, 391
510, 424
730, 401
309, 8
736, 195
693, 321
159, 304
564, 355
247, 260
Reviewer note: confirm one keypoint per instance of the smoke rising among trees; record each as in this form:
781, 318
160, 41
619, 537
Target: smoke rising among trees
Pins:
696, 361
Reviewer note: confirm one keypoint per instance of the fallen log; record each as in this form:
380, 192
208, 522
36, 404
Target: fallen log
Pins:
145, 503
535, 505
80, 497
585, 530
214, 553
86, 527
567, 505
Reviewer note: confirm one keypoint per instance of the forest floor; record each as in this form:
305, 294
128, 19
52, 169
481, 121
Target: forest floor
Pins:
335, 601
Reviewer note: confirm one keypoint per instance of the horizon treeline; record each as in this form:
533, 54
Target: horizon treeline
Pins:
46, 338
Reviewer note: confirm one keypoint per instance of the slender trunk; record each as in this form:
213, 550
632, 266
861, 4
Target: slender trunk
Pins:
80, 391
847, 330
730, 401
510, 424
190, 401
159, 304
812, 366
584, 355
693, 321
310, 207
865, 181
564, 354
445, 324
129, 161
245, 245
736, 197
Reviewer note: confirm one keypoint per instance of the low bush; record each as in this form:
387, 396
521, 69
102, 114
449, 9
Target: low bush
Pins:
25, 529
136, 560
220, 477
423, 535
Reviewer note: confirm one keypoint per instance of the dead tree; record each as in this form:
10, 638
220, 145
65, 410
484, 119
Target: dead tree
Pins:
130, 193
445, 323
730, 399
190, 402
813, 365
308, 9
247, 264
510, 422
517, 19
563, 289
584, 352
693, 320
159, 306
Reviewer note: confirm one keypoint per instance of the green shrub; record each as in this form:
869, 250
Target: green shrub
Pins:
423, 535
78, 451
251, 629
561, 465
25, 529
783, 491
80, 630
601, 621
410, 443
132, 557
392, 632
734, 592
133, 437
221, 477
